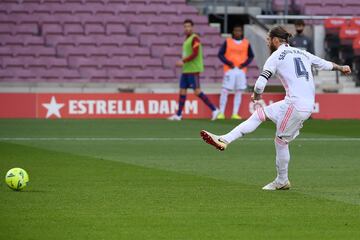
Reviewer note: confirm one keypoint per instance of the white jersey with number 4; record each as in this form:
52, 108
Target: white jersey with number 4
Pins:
293, 67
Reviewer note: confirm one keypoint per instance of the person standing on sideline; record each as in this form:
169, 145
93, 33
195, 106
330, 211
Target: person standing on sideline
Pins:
192, 65
236, 54
300, 40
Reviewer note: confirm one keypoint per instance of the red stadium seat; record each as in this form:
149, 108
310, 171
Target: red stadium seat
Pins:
109, 51
118, 75
198, 20
5, 19
356, 46
150, 40
7, 75
14, 62
116, 1
333, 25
6, 51
76, 62
21, 40
113, 28
151, 63
335, 3
51, 1
24, 73
355, 22
18, 29
55, 40
93, 74
57, 74
99, 40
95, 40
52, 29
210, 52
158, 51
211, 63
154, 74
348, 34
169, 61
28, 62
114, 62
6, 29
48, 62
163, 74
153, 9
320, 7
94, 28
73, 29
212, 41
168, 2
34, 51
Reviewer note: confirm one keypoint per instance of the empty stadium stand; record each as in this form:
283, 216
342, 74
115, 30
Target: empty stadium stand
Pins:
100, 41
341, 42
319, 7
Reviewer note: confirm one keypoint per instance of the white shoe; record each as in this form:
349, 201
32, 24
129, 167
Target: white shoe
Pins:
277, 186
214, 140
175, 117
215, 114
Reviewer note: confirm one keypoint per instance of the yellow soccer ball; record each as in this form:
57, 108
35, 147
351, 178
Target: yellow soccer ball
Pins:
17, 179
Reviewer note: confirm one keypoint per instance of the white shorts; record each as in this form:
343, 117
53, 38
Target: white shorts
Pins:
288, 120
235, 79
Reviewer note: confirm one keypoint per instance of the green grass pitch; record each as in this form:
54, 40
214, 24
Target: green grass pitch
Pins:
154, 179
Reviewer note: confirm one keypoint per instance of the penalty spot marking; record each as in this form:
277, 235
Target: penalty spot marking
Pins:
160, 139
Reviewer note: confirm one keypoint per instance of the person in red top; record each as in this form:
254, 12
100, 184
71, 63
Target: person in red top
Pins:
236, 54
195, 47
192, 65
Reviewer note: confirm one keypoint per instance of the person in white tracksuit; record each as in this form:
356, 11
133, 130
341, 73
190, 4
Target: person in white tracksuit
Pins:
236, 54
293, 67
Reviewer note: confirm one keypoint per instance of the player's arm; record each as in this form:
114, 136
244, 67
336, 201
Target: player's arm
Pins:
221, 56
260, 85
249, 59
268, 70
345, 69
322, 64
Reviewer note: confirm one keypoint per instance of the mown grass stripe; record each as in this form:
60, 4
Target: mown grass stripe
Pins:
155, 139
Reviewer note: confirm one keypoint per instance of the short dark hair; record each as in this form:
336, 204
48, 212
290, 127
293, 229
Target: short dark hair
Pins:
280, 32
238, 26
299, 22
189, 21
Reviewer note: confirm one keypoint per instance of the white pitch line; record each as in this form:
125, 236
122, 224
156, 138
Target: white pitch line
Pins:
157, 139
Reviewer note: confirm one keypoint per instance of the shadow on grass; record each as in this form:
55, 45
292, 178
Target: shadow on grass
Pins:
24, 191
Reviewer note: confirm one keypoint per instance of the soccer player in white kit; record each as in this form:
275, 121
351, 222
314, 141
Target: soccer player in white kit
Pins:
293, 67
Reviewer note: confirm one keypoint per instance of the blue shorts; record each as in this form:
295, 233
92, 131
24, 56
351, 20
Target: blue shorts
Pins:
190, 80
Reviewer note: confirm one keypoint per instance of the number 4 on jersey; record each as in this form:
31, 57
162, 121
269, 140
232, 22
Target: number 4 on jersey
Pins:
300, 69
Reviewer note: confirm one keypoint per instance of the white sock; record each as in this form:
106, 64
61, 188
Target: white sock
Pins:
282, 160
237, 101
246, 127
223, 99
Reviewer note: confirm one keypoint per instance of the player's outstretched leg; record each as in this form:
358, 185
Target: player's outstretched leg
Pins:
248, 126
215, 140
282, 162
